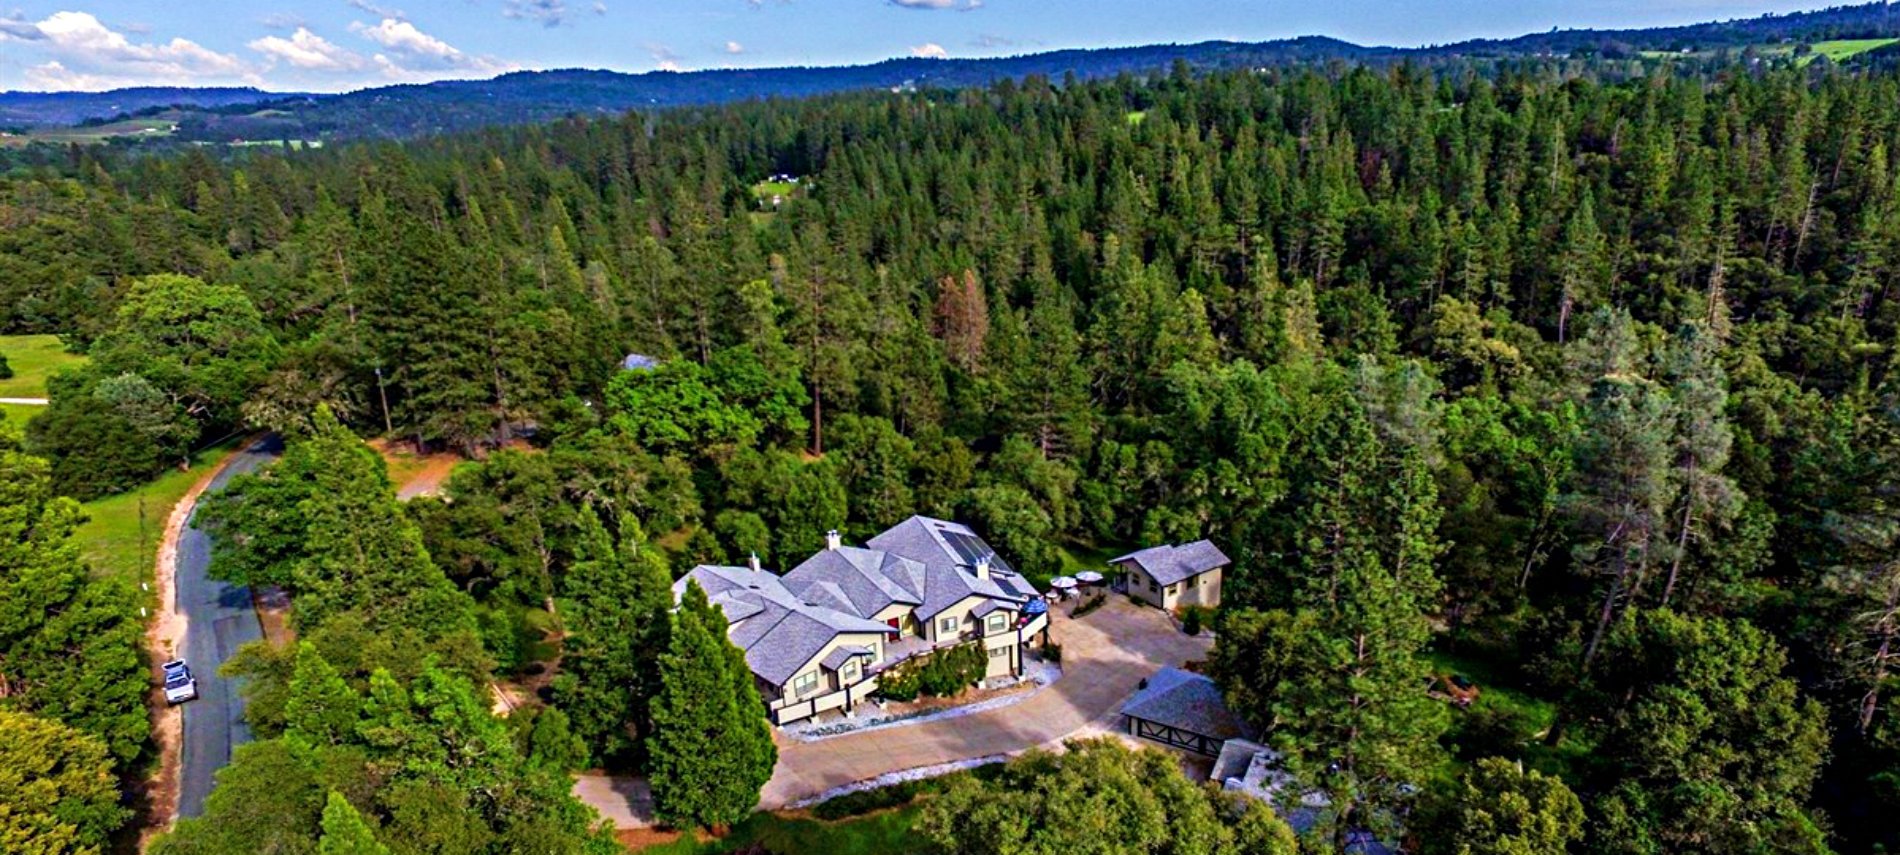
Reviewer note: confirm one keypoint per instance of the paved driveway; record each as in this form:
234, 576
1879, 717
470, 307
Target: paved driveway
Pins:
1104, 655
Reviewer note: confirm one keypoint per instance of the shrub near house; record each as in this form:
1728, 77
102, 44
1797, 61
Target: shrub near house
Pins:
940, 674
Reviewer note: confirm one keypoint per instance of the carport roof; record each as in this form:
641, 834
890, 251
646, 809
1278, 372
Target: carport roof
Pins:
1185, 701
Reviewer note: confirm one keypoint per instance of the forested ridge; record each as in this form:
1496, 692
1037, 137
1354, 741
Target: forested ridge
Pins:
1589, 380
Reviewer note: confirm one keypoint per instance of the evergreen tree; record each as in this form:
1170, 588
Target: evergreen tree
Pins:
1707, 499
1706, 746
58, 789
618, 627
319, 706
711, 749
345, 832
70, 645
1335, 675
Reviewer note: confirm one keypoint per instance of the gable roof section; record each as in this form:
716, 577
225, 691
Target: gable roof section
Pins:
781, 631
948, 553
866, 581
1187, 701
1169, 564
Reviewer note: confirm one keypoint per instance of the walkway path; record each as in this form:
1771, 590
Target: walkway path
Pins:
1104, 656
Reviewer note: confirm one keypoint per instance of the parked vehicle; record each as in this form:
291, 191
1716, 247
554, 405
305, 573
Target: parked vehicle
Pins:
180, 686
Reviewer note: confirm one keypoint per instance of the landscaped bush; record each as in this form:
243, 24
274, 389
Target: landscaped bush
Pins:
1195, 618
945, 672
1090, 604
1052, 652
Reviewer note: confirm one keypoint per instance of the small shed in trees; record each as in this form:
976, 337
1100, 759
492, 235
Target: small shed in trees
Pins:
1171, 576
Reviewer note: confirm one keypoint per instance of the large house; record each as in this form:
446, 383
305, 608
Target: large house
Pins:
1175, 576
817, 637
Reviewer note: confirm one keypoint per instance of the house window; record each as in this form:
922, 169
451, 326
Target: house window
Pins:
997, 623
1152, 587
948, 624
999, 652
1172, 589
849, 672
804, 684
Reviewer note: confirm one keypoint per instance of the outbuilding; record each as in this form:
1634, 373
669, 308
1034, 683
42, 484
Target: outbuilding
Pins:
1184, 710
1174, 576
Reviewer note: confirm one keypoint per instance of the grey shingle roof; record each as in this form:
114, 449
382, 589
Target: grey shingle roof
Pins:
947, 552
836, 658
867, 580
781, 622
1188, 701
1169, 564
785, 632
988, 606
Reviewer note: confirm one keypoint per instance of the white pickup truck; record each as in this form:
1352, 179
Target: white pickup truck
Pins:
180, 686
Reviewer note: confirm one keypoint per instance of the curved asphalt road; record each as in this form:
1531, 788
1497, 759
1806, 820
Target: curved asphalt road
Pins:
220, 619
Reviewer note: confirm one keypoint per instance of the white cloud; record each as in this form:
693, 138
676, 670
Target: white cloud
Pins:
734, 48
929, 50
308, 51
664, 57
83, 53
411, 55
403, 37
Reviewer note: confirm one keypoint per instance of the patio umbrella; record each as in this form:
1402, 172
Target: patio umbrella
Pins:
1089, 577
1063, 582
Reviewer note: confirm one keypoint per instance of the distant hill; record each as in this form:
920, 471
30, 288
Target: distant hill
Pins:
55, 109
225, 115
535, 96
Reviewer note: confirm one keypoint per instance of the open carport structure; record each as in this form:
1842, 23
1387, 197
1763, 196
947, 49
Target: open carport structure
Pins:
1184, 710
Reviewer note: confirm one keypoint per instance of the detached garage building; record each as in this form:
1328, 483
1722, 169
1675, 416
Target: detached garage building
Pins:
1174, 576
1184, 710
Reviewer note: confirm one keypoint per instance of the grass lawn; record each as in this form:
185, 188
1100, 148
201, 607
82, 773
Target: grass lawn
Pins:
33, 359
1501, 697
1844, 48
884, 833
16, 416
120, 536
1077, 558
1496, 689
143, 126
767, 189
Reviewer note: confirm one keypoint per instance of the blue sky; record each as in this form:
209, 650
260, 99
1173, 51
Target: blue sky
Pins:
331, 45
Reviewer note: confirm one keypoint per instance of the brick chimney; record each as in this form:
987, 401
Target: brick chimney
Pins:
983, 567
833, 539
753, 563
